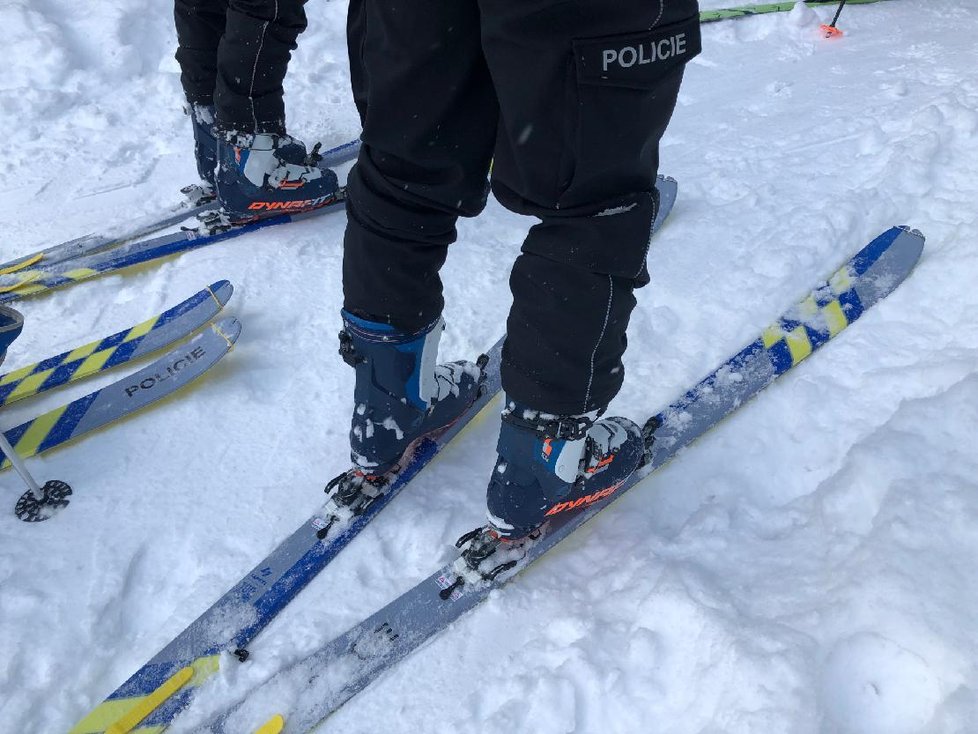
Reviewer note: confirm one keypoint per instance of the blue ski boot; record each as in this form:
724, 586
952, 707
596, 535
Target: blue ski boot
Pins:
547, 465
264, 174
205, 141
400, 396
11, 324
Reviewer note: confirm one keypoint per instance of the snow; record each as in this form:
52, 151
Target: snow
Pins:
807, 568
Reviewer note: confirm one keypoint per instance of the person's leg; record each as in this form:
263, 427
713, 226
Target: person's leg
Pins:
429, 117
252, 61
262, 171
429, 122
200, 26
586, 89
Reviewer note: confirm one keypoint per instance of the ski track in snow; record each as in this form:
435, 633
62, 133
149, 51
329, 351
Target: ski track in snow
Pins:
806, 568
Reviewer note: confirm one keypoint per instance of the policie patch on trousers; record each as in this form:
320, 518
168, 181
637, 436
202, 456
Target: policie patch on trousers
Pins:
637, 59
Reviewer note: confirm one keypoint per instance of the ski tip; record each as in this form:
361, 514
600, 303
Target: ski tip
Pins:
229, 328
273, 726
908, 244
222, 291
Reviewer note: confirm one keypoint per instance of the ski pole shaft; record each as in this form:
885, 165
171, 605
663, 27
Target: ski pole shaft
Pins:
20, 468
838, 13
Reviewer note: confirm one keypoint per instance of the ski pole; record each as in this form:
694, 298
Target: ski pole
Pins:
830, 30
37, 502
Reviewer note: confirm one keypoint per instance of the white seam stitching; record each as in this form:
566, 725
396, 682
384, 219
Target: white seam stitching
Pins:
662, 9
604, 327
254, 70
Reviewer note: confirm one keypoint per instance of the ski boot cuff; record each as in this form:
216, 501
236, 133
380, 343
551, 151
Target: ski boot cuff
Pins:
11, 325
379, 332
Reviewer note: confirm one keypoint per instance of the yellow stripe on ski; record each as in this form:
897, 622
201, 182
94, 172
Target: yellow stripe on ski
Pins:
32, 439
27, 287
16, 375
141, 329
835, 317
94, 363
122, 715
798, 344
26, 263
841, 281
273, 726
25, 279
150, 703
28, 386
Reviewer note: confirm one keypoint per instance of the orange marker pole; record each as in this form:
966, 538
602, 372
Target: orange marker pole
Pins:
830, 30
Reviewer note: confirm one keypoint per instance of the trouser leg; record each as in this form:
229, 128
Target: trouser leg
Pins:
252, 61
429, 122
234, 54
200, 25
586, 90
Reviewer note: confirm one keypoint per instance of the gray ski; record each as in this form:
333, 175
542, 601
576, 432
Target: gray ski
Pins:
311, 689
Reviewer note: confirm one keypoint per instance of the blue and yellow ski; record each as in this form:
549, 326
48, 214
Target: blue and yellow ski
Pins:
130, 394
326, 679
125, 346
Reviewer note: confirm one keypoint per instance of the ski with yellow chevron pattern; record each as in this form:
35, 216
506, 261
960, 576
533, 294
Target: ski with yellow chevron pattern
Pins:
125, 346
96, 410
299, 697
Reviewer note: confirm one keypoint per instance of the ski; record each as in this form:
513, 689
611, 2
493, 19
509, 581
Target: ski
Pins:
711, 16
120, 399
164, 686
30, 268
34, 281
326, 679
125, 346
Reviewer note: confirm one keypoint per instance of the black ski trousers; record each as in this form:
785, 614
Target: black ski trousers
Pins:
234, 54
568, 99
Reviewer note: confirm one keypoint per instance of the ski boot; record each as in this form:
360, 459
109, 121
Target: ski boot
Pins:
547, 465
262, 175
401, 395
11, 324
205, 151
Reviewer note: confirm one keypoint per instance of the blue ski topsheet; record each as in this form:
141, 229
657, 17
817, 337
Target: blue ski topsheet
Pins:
323, 681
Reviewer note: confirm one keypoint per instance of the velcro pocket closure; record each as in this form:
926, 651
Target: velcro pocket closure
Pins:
637, 60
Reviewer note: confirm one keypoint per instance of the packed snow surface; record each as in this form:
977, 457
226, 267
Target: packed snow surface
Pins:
807, 568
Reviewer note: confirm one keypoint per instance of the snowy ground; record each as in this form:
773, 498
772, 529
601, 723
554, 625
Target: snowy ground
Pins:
808, 568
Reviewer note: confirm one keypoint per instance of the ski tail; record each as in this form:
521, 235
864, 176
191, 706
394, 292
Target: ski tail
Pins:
120, 399
330, 676
125, 346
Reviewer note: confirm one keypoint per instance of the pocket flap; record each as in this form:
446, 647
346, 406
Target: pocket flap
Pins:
637, 60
